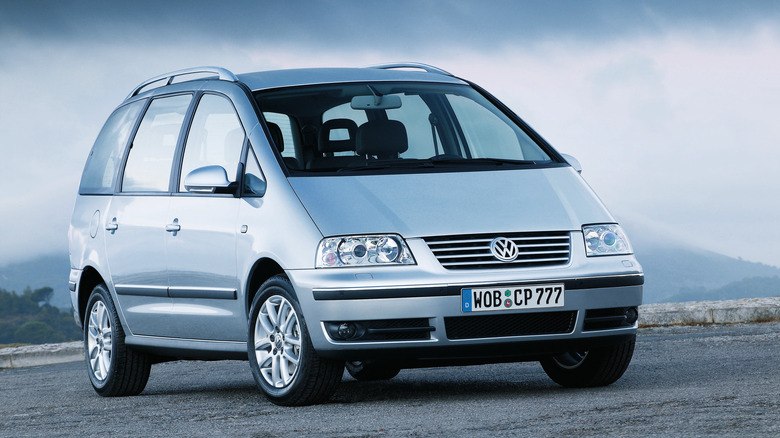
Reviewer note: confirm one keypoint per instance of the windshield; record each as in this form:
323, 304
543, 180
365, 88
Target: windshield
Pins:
357, 127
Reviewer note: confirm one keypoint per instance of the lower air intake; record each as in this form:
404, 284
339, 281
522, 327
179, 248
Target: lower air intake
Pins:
516, 324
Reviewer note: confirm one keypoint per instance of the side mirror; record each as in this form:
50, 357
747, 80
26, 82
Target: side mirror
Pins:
575, 163
254, 185
206, 179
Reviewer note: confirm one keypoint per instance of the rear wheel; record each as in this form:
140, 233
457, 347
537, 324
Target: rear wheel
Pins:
114, 369
596, 367
366, 371
283, 361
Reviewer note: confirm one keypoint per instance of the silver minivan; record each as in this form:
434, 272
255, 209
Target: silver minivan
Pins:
309, 220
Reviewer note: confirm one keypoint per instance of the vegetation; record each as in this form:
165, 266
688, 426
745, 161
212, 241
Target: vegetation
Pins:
30, 319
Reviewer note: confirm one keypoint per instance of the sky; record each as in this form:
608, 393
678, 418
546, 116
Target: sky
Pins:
670, 106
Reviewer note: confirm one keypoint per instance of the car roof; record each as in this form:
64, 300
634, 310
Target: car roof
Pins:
311, 76
298, 77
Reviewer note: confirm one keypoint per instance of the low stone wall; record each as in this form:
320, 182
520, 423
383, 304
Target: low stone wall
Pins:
710, 312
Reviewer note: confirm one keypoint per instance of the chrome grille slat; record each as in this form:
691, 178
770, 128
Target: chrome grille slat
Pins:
465, 248
450, 242
471, 251
482, 254
488, 240
497, 262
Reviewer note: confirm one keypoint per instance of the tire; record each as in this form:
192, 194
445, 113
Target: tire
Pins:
596, 367
283, 361
114, 369
366, 371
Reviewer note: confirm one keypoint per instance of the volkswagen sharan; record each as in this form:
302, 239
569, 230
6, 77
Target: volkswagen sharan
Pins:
308, 220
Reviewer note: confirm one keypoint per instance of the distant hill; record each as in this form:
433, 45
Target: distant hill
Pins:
686, 274
50, 270
671, 274
754, 287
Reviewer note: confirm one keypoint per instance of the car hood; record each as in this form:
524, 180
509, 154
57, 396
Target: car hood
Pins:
447, 203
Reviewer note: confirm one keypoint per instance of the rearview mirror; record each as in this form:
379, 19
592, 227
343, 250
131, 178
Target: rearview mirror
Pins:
206, 179
376, 102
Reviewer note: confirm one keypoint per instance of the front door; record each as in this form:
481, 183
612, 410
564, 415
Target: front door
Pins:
202, 271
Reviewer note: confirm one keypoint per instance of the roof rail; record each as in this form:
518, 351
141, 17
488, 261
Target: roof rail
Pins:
223, 74
418, 65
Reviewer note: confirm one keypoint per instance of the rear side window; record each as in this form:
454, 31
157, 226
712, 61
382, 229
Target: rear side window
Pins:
148, 167
104, 160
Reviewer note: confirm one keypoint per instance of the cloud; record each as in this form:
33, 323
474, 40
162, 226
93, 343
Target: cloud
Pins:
677, 130
670, 106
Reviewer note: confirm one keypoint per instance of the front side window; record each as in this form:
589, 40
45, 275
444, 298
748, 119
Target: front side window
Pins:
148, 167
416, 127
216, 138
106, 155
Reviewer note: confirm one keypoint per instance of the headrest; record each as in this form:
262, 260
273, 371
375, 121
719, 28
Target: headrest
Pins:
337, 135
382, 137
276, 135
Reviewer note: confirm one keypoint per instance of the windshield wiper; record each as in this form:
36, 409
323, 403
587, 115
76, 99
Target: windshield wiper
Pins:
387, 164
435, 162
473, 161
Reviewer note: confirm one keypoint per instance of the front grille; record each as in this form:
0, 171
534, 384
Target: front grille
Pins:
516, 324
472, 251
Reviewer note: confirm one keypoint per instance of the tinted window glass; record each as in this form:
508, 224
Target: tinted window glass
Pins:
215, 138
414, 114
490, 134
148, 167
420, 127
104, 160
286, 127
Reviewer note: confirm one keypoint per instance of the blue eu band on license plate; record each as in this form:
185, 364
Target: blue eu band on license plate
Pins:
529, 296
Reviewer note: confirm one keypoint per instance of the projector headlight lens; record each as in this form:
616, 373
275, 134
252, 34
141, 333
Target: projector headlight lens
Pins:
390, 249
605, 239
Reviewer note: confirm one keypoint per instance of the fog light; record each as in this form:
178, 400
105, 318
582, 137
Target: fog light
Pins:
346, 330
632, 314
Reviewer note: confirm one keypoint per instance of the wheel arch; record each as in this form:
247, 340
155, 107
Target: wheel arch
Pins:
262, 270
90, 277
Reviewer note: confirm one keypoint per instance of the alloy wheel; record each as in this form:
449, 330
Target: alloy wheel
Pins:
277, 335
99, 341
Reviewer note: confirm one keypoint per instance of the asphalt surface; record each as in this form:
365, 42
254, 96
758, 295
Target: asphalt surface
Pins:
715, 380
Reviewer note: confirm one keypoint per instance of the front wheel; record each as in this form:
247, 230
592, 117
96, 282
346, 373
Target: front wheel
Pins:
596, 367
114, 369
283, 361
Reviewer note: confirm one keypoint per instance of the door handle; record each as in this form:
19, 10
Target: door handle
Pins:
113, 226
174, 227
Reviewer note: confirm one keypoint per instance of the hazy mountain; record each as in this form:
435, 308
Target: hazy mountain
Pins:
671, 274
753, 287
688, 274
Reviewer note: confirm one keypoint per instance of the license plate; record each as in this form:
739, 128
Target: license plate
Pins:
529, 296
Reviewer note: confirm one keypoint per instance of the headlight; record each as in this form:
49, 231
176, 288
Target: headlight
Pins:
606, 239
363, 251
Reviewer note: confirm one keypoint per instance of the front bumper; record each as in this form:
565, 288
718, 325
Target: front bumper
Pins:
428, 297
